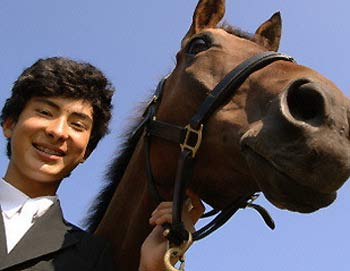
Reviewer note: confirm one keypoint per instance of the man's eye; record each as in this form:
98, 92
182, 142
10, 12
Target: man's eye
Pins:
78, 125
44, 112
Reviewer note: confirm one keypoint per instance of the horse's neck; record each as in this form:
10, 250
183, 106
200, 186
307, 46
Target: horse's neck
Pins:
125, 223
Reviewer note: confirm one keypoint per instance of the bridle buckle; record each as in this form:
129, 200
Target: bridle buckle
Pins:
192, 134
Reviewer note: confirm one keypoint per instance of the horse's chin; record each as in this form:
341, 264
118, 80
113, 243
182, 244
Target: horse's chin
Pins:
281, 189
219, 200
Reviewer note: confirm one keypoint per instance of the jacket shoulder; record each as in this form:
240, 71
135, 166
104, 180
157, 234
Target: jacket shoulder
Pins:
93, 250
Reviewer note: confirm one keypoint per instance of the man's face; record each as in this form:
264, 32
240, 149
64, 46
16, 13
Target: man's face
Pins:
47, 142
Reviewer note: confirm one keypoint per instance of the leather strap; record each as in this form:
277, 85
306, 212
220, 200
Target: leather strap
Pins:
166, 131
229, 84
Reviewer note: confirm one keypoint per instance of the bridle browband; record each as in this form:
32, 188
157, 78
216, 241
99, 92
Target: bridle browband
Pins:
190, 137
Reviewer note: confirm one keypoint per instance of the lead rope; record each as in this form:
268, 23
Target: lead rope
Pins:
176, 253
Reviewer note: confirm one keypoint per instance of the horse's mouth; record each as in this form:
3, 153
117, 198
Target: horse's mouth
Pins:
280, 188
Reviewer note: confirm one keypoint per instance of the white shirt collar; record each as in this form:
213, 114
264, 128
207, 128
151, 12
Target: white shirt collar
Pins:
12, 200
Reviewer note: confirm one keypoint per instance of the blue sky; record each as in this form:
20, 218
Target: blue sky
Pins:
134, 43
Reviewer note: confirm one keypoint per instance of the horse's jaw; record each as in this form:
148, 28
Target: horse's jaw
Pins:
281, 189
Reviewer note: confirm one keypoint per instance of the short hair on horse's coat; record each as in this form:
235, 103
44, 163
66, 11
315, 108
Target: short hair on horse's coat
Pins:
118, 166
63, 77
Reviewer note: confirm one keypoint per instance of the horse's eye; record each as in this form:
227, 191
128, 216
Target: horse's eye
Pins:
197, 45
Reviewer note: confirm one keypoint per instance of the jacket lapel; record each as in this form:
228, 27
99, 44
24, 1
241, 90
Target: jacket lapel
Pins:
49, 234
3, 245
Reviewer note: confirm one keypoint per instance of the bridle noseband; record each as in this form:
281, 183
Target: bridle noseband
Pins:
190, 137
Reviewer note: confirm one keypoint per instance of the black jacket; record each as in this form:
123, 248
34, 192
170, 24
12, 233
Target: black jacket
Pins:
54, 244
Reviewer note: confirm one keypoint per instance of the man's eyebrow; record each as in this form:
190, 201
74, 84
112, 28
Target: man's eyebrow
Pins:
82, 116
57, 107
47, 101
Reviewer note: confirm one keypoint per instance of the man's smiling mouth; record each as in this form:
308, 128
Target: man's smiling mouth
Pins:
48, 150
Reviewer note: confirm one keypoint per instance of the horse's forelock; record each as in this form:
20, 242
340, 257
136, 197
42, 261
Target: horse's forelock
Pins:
236, 31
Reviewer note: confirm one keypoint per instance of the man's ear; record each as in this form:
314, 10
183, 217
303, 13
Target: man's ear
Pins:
7, 127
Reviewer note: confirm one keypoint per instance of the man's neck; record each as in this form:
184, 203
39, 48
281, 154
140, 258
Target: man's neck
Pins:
34, 189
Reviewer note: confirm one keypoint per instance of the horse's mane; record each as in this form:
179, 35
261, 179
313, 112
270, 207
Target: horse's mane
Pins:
115, 172
117, 167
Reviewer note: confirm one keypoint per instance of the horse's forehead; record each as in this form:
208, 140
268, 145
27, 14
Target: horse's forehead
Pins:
216, 31
237, 46
220, 35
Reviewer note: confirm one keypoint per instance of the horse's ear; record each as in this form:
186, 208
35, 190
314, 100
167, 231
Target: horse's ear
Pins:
269, 33
208, 14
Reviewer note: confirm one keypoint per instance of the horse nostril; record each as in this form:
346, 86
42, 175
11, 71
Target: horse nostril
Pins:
306, 103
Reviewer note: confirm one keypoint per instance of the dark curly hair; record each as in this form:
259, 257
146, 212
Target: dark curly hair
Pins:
62, 77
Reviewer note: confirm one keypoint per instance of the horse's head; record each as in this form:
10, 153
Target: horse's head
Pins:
285, 131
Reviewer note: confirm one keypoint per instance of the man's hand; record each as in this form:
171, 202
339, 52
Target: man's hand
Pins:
155, 245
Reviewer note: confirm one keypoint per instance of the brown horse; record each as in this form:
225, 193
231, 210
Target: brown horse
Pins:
284, 131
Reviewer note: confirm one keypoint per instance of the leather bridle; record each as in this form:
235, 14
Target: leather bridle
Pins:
190, 137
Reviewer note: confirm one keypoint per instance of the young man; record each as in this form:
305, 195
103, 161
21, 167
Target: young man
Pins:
58, 111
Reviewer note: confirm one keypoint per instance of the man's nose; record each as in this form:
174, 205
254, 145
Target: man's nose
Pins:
58, 129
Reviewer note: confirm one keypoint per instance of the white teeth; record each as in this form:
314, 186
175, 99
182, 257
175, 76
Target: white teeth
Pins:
48, 151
